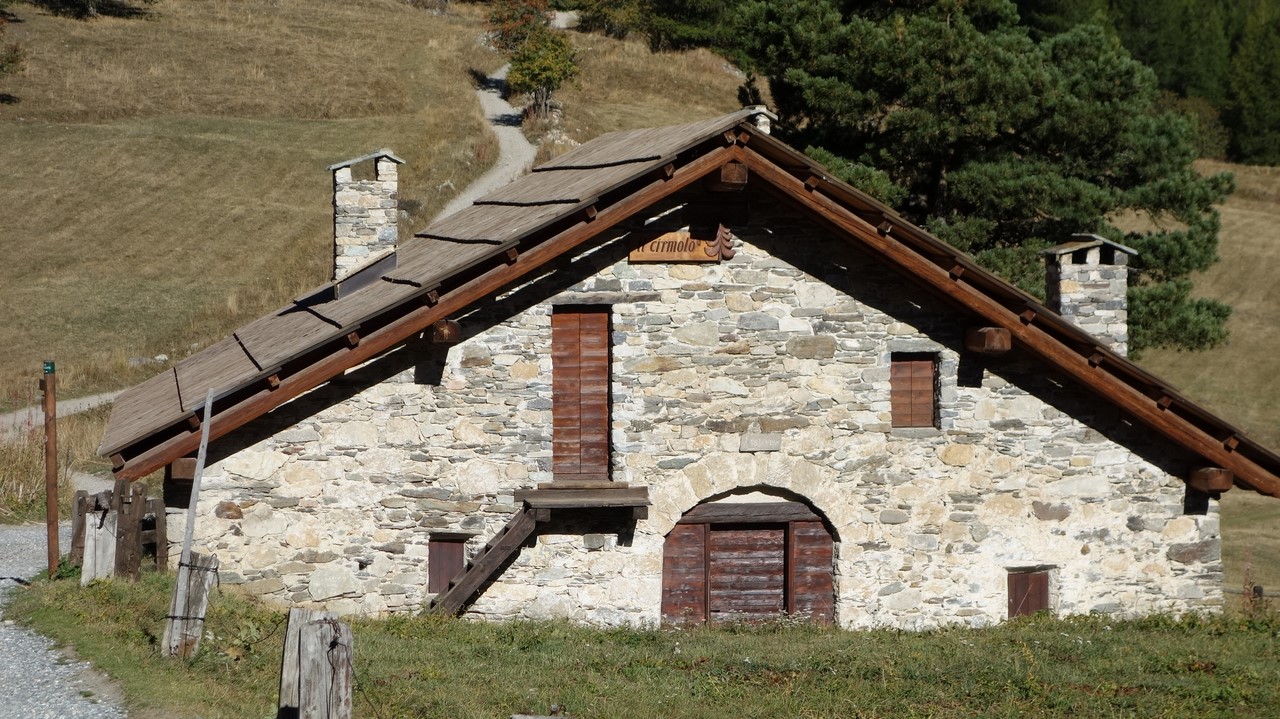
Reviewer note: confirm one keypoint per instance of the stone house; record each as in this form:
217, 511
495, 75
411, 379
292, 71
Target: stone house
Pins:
679, 375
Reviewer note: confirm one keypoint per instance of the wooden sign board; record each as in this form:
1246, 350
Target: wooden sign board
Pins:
677, 246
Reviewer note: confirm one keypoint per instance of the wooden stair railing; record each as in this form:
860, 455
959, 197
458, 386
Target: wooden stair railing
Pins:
488, 561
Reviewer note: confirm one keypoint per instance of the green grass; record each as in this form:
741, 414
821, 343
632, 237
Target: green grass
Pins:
412, 666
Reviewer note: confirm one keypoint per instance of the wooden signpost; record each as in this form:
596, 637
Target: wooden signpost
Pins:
49, 385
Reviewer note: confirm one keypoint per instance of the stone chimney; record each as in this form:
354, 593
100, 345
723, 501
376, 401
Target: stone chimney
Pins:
1086, 281
762, 119
365, 213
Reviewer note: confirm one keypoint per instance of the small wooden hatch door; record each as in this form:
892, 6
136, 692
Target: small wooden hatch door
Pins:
748, 562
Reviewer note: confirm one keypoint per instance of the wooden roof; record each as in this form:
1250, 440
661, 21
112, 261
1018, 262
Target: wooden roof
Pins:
505, 238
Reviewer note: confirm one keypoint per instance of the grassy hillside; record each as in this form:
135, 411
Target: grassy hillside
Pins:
164, 176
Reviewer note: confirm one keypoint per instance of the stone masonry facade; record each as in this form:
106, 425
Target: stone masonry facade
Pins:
365, 215
332, 499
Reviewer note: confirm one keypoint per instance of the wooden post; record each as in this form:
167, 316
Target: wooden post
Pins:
130, 502
79, 510
99, 541
185, 623
160, 535
316, 676
180, 607
50, 387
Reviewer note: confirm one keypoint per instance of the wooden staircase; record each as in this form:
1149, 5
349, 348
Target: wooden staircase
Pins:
488, 561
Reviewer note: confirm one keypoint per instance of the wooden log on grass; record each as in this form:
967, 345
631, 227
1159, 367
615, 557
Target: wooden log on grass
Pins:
316, 676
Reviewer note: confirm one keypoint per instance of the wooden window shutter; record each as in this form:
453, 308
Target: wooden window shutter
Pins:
445, 558
913, 382
1028, 593
580, 393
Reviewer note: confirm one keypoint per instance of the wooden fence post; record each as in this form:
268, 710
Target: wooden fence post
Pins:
185, 623
159, 536
316, 676
99, 553
79, 510
130, 503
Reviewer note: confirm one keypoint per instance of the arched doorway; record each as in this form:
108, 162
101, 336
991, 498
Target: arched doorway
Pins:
748, 561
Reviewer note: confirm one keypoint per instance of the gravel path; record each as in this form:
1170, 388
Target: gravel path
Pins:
33, 416
36, 680
515, 154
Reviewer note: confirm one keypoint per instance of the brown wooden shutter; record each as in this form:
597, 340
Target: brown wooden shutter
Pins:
912, 388
580, 388
811, 554
445, 557
684, 575
1028, 593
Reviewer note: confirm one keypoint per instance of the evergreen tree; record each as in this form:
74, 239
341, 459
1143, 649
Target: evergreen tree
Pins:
1255, 87
1186, 42
998, 144
1051, 17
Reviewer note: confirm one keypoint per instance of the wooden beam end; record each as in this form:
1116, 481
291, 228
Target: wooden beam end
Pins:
1211, 479
988, 340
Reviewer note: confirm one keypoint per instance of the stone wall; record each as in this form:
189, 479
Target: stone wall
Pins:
365, 215
331, 499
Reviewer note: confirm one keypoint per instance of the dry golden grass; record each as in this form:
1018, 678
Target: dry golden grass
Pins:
22, 464
164, 177
1251, 540
1240, 380
623, 86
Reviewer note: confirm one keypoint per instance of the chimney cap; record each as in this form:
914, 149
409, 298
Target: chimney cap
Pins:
375, 155
760, 110
1084, 241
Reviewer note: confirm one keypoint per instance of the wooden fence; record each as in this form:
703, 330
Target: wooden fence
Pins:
112, 530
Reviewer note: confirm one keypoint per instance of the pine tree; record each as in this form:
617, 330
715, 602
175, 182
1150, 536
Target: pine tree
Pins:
998, 144
1255, 88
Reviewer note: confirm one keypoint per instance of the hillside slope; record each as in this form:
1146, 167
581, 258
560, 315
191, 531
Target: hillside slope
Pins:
165, 176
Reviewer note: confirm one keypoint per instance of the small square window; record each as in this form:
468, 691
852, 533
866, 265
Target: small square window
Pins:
913, 389
1028, 592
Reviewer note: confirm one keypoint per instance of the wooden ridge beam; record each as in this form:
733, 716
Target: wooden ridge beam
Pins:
1022, 327
498, 275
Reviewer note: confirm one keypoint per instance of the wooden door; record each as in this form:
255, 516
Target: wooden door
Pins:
684, 575
746, 572
764, 561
